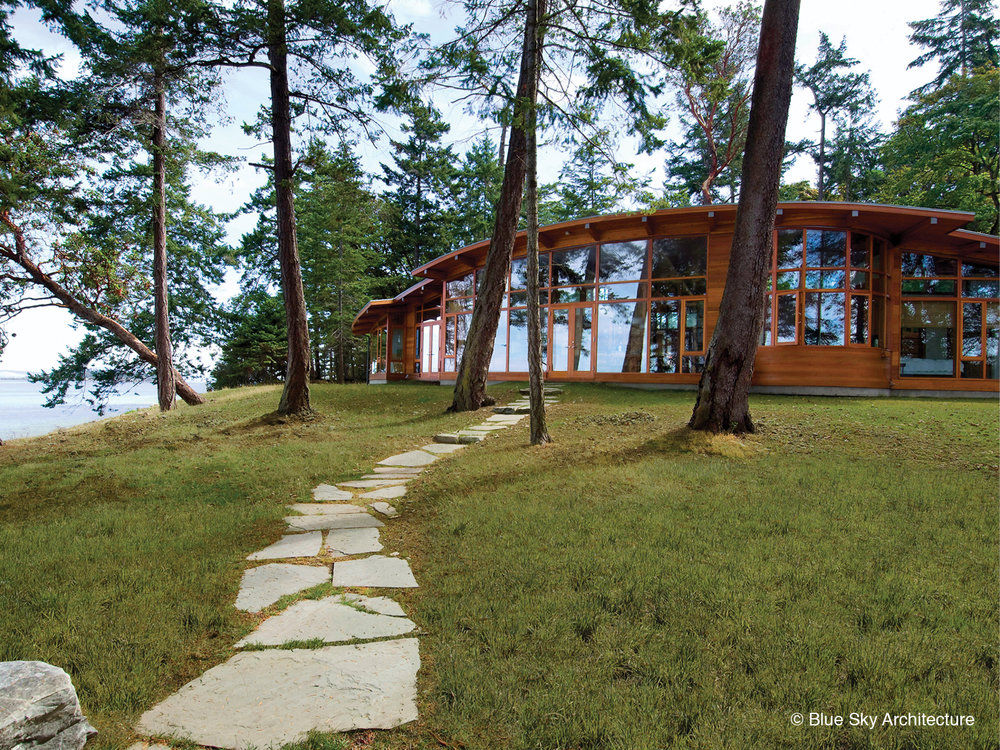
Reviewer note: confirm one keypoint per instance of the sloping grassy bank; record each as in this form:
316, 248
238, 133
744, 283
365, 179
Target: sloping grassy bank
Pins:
122, 542
635, 587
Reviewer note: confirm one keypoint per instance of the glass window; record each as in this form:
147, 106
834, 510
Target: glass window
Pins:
859, 250
623, 261
679, 256
826, 248
824, 279
928, 339
397, 344
449, 364
979, 269
694, 325
992, 340
461, 331
859, 319
574, 266
665, 337
693, 364
878, 254
931, 287
859, 279
460, 287
981, 288
788, 280
449, 336
573, 294
789, 248
498, 362
972, 330
518, 348
458, 305
679, 288
787, 318
765, 334
918, 264
582, 338
621, 336
519, 272
628, 290
823, 319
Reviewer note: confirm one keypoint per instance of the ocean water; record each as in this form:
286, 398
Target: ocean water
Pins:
22, 413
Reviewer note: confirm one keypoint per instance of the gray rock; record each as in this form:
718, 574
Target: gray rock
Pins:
329, 620
343, 542
291, 545
366, 483
411, 470
406, 477
328, 493
505, 419
446, 438
410, 458
442, 448
39, 709
385, 493
511, 409
263, 586
382, 605
375, 571
385, 509
488, 427
330, 689
337, 521
325, 509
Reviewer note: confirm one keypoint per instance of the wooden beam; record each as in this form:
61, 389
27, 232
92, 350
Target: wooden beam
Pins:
591, 232
647, 223
900, 237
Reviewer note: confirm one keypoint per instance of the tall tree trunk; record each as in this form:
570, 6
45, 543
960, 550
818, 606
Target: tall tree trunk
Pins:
503, 143
821, 177
82, 311
723, 392
470, 380
539, 433
341, 335
165, 386
295, 396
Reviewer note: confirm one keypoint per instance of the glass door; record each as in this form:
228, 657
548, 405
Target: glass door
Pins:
571, 338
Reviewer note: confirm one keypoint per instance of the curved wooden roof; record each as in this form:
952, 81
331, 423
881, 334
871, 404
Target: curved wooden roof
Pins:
920, 227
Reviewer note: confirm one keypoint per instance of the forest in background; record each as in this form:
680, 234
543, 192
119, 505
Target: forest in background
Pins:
96, 173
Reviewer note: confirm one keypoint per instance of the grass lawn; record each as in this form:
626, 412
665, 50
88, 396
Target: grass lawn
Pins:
626, 587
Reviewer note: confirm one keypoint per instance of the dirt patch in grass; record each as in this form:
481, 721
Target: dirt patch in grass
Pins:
686, 440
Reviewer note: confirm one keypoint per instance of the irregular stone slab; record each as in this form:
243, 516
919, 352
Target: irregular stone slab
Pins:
325, 493
326, 509
412, 470
474, 433
406, 477
375, 571
545, 391
343, 542
39, 708
148, 746
385, 493
382, 605
505, 418
442, 448
446, 438
488, 427
263, 586
365, 483
511, 409
385, 509
329, 689
337, 521
329, 620
291, 545
410, 458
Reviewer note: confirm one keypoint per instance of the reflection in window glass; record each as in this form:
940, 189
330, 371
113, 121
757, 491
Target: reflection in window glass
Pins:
498, 362
918, 264
789, 248
582, 337
788, 280
518, 347
573, 294
826, 248
519, 272
458, 305
679, 256
397, 343
972, 330
859, 250
631, 290
460, 287
859, 319
449, 364
574, 266
935, 287
693, 364
928, 339
992, 340
878, 254
823, 319
449, 336
787, 317
623, 261
664, 337
679, 288
396, 368
981, 288
461, 331
621, 337
694, 326
979, 269
824, 279
859, 279
765, 334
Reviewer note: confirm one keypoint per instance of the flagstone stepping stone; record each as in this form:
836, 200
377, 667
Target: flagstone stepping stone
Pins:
326, 509
264, 585
329, 689
547, 391
442, 448
511, 409
376, 571
413, 470
406, 477
330, 620
343, 542
475, 433
488, 427
505, 418
381, 605
410, 458
385, 493
291, 545
333, 521
328, 493
385, 509
365, 483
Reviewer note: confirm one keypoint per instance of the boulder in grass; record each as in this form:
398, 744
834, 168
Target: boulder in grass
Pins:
39, 709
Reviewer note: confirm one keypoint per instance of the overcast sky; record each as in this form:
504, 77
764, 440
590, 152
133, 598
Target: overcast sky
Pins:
876, 32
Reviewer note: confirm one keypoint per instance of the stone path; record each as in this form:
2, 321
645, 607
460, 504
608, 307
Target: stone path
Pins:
336, 663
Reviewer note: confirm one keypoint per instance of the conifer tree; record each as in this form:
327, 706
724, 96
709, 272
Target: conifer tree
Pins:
960, 39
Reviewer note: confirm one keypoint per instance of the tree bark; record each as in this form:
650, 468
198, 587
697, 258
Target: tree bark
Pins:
539, 433
129, 339
295, 396
470, 380
723, 391
165, 387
